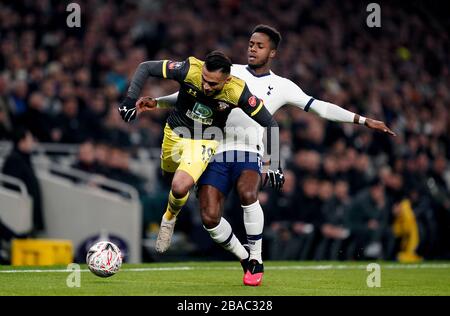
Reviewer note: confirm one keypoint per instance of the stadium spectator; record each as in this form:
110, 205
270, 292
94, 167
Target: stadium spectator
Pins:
368, 220
6, 234
71, 125
6, 118
293, 231
399, 73
335, 233
118, 165
405, 228
18, 164
279, 205
86, 158
38, 121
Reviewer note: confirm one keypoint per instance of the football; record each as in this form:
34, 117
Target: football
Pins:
104, 259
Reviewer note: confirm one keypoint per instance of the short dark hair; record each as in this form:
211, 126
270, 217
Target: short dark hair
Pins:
217, 60
274, 35
18, 134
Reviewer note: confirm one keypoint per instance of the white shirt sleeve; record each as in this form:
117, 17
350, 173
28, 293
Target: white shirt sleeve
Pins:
332, 112
167, 101
295, 96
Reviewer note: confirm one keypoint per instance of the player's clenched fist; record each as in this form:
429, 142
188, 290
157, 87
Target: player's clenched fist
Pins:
145, 104
130, 108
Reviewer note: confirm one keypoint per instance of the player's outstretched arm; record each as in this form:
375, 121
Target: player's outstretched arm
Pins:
130, 107
335, 113
296, 96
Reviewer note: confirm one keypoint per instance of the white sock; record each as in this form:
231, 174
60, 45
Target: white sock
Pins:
223, 235
254, 225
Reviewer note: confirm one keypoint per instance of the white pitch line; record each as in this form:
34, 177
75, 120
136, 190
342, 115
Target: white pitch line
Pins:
270, 267
41, 271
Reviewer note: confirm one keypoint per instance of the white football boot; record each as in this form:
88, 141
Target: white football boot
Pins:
165, 234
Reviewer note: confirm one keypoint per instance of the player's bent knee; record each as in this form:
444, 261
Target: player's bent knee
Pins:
180, 189
248, 197
209, 220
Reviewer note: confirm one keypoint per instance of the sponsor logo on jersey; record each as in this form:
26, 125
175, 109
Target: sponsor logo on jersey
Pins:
201, 113
252, 101
175, 65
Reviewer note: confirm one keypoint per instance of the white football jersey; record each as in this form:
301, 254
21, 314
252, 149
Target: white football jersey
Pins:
244, 134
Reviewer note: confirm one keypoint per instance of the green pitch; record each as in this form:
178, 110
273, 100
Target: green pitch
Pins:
225, 279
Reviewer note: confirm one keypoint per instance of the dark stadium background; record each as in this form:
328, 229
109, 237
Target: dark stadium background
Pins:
64, 85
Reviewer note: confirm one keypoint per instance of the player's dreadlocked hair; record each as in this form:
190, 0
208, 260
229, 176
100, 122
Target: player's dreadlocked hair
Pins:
274, 35
217, 60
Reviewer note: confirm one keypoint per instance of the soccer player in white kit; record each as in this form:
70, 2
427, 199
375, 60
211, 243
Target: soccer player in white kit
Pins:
237, 161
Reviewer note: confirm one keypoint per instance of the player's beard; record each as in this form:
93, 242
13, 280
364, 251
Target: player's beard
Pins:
259, 65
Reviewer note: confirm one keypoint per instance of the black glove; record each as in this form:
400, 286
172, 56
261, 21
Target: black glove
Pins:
276, 178
127, 109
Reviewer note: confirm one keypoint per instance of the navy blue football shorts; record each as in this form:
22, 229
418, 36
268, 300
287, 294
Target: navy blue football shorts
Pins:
225, 168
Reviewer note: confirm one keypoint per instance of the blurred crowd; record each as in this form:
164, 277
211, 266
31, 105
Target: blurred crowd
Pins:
349, 193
